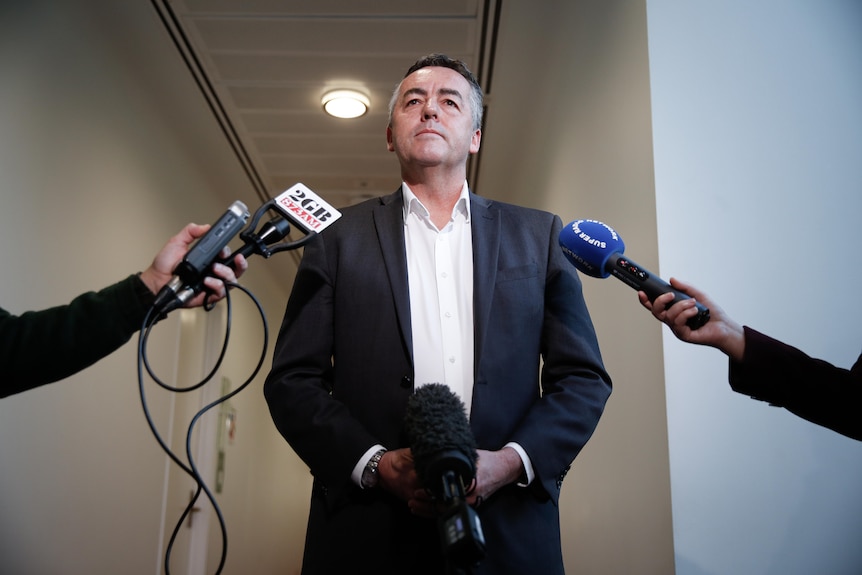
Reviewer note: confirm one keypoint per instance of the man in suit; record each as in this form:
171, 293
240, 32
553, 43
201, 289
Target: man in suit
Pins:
768, 369
435, 284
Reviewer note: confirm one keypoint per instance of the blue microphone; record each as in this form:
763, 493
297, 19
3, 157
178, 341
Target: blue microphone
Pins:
596, 250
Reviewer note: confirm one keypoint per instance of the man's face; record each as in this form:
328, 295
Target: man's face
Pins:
432, 123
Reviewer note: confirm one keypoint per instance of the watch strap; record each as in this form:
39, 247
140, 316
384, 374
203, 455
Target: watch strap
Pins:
369, 474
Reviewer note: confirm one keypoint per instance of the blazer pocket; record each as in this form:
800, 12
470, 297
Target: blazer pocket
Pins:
530, 270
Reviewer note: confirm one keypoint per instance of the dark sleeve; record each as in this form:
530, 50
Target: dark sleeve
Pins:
40, 347
575, 386
811, 388
541, 382
315, 406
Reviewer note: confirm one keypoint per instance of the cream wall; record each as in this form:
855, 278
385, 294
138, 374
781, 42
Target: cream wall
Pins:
574, 92
135, 175
96, 173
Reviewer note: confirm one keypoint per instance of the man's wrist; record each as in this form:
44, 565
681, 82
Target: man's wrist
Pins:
370, 475
525, 466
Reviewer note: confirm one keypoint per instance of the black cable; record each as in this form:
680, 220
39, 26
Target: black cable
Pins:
191, 469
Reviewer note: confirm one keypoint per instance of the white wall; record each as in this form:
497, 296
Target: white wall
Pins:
758, 160
96, 172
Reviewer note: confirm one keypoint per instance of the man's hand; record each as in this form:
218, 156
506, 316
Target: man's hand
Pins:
494, 470
397, 474
161, 270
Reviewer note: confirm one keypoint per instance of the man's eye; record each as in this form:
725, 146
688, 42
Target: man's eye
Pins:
412, 102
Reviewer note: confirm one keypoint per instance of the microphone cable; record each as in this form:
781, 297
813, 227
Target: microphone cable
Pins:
150, 319
312, 214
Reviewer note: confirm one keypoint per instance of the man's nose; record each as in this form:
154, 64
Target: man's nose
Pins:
429, 111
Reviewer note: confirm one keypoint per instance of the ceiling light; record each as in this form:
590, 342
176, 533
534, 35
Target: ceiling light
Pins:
345, 103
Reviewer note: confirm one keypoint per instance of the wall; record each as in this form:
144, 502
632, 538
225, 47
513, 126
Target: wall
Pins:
758, 139
751, 112
105, 152
571, 83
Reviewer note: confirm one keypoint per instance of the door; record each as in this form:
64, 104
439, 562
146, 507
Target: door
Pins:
200, 341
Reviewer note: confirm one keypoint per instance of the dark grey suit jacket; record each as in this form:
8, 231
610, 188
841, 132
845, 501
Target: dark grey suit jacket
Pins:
342, 373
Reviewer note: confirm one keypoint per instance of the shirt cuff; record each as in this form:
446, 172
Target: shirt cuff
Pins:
525, 459
356, 476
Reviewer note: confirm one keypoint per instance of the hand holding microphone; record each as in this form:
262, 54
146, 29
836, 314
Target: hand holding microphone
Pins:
161, 271
444, 455
722, 332
190, 273
597, 250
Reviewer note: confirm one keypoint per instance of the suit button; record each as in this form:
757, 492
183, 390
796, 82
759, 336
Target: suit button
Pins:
407, 382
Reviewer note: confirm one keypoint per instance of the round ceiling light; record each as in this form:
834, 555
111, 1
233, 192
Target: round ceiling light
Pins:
345, 103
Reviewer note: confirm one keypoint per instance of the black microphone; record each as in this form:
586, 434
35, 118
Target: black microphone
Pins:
191, 271
275, 230
597, 250
444, 455
298, 204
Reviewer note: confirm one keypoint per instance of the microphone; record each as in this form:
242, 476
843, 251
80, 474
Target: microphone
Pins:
298, 204
444, 455
597, 250
308, 211
257, 242
190, 272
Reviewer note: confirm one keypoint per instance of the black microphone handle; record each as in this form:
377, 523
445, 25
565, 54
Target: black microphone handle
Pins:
204, 252
256, 243
190, 272
653, 286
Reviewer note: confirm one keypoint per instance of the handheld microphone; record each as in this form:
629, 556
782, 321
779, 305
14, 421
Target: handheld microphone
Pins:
276, 229
444, 455
311, 213
596, 250
190, 272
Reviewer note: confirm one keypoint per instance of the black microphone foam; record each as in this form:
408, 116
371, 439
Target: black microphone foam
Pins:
445, 457
440, 437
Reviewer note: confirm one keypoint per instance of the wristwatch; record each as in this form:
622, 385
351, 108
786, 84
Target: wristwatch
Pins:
369, 474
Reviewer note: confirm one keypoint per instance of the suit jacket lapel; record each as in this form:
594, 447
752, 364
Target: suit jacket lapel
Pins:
486, 248
389, 223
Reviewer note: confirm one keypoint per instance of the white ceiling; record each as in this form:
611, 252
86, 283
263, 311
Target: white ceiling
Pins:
263, 66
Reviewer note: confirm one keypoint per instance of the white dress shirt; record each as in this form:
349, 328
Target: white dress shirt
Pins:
440, 282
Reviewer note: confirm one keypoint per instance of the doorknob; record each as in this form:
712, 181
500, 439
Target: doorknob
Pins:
193, 510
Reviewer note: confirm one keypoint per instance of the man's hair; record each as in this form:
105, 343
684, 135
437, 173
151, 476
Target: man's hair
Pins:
476, 96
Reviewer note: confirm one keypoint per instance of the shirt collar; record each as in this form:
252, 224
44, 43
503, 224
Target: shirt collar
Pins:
413, 204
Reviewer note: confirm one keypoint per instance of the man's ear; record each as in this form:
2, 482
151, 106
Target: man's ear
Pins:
475, 141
